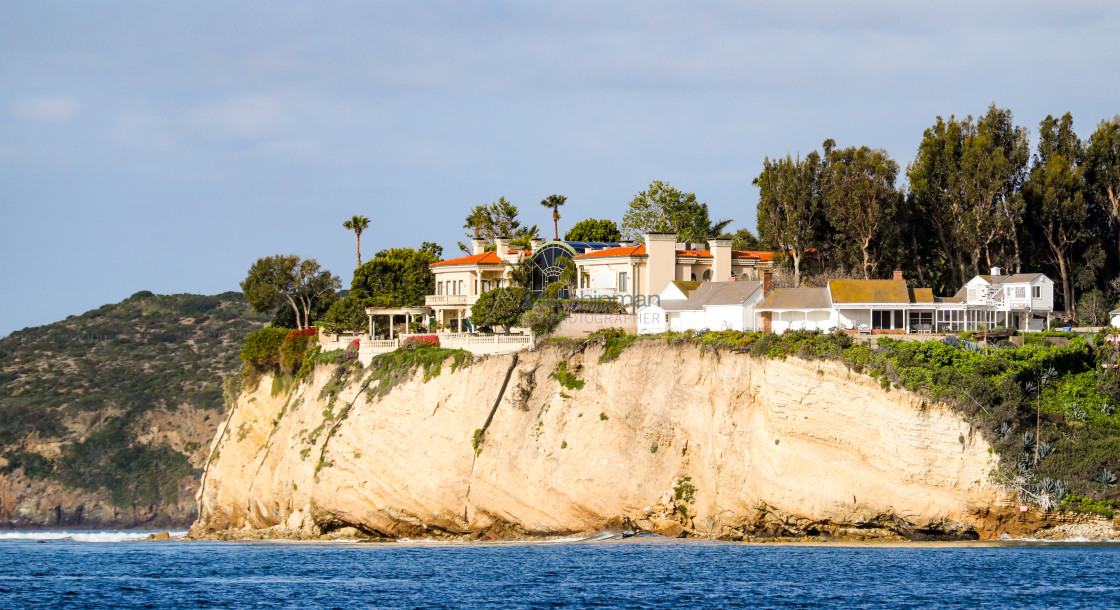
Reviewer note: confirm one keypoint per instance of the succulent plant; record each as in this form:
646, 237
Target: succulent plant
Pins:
1108, 408
1106, 477
1004, 429
1044, 450
1055, 488
1028, 439
1077, 414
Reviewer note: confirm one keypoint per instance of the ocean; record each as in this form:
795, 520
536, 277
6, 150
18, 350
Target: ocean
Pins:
113, 569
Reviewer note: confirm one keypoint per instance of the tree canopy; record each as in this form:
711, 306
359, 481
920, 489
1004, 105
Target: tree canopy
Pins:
494, 220
789, 205
500, 307
662, 207
286, 279
594, 230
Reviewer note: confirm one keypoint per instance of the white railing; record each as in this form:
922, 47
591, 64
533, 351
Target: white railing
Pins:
450, 299
600, 293
475, 344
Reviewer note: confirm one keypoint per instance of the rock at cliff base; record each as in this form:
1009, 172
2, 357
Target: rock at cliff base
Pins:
160, 536
670, 529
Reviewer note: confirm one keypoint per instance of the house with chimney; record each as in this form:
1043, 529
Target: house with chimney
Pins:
635, 273
685, 306
1023, 302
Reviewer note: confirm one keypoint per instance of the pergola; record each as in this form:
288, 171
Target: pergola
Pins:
409, 312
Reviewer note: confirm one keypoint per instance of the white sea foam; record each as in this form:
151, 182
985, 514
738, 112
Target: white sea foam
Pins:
84, 536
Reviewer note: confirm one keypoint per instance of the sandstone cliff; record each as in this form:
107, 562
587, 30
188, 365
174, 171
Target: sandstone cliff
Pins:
668, 438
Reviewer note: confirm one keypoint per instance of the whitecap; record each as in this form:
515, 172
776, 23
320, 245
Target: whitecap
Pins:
85, 536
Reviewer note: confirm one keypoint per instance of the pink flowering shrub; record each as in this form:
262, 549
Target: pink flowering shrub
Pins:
420, 342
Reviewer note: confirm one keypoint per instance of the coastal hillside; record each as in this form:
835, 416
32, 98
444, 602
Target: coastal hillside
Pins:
105, 416
671, 436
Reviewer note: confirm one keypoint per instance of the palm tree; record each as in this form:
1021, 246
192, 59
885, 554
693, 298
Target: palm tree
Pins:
357, 224
554, 202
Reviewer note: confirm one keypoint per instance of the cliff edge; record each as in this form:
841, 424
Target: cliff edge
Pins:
676, 439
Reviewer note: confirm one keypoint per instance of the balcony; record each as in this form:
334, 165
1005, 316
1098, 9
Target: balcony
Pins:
599, 293
450, 299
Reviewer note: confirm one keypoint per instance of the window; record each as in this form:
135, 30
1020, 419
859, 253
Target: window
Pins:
1036, 292
462, 287
622, 286
1020, 292
439, 287
973, 295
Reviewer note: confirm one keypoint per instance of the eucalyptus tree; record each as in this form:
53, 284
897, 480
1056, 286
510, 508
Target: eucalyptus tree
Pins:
1055, 200
287, 279
862, 200
1102, 175
789, 205
357, 224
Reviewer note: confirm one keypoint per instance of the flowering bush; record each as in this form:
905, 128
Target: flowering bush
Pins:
306, 331
420, 342
294, 349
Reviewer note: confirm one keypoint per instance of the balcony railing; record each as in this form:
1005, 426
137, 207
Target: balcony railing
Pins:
450, 299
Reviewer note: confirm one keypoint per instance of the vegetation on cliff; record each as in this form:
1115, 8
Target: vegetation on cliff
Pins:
80, 399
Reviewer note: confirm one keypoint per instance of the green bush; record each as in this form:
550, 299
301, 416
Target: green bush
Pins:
566, 379
262, 348
294, 349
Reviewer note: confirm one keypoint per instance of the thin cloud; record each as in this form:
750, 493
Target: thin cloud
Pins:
46, 109
250, 117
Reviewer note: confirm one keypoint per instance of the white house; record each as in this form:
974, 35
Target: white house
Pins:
708, 305
1023, 301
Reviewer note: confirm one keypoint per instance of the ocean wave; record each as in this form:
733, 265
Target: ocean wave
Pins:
84, 536
1070, 540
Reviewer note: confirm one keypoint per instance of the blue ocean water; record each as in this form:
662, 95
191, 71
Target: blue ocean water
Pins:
640, 572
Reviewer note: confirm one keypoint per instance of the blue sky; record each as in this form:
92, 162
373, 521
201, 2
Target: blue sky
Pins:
165, 146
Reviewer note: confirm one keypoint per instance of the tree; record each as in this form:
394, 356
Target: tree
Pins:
500, 307
432, 248
789, 205
494, 220
594, 231
357, 224
1102, 174
554, 202
743, 239
398, 277
279, 279
1055, 200
663, 208
862, 200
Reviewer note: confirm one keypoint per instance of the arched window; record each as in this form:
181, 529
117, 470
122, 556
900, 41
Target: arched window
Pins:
707, 275
693, 277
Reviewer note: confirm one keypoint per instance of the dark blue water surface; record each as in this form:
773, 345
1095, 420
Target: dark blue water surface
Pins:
638, 572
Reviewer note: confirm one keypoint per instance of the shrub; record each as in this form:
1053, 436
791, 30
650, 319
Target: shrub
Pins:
262, 348
421, 342
566, 379
294, 349
541, 319
614, 339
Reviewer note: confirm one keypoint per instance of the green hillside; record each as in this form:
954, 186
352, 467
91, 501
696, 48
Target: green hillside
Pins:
118, 403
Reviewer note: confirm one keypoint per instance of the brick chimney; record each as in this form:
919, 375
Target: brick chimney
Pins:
897, 275
767, 283
478, 245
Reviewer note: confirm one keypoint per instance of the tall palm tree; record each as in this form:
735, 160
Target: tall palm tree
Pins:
357, 224
554, 202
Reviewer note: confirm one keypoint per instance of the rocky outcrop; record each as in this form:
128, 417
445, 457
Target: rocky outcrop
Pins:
669, 438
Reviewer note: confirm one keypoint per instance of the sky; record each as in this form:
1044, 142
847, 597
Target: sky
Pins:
166, 146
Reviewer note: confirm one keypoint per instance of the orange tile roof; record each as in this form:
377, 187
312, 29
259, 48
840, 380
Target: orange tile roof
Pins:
486, 258
761, 255
619, 251
641, 251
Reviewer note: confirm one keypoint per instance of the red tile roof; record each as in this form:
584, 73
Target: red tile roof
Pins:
641, 251
486, 258
619, 251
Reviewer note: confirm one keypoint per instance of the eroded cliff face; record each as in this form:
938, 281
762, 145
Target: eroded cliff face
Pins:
668, 438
